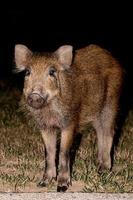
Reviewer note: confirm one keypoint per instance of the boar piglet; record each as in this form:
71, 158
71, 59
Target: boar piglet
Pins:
66, 91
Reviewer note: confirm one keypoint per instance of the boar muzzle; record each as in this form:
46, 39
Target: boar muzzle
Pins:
36, 100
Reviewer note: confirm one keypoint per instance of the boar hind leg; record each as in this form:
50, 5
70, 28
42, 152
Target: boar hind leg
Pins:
104, 126
49, 138
64, 168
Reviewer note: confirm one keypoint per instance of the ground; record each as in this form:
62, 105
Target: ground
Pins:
22, 154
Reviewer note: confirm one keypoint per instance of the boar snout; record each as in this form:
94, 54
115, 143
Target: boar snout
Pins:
36, 100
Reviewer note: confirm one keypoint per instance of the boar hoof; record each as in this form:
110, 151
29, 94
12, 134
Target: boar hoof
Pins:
63, 184
44, 182
102, 169
62, 189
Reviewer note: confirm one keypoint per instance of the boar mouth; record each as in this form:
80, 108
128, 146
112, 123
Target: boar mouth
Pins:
36, 100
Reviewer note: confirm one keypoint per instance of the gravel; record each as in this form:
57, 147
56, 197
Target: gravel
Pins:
65, 196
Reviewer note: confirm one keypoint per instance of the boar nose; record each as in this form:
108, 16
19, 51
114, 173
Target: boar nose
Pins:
35, 100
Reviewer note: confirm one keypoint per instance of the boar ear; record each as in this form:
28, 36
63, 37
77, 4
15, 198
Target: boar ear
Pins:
64, 54
22, 53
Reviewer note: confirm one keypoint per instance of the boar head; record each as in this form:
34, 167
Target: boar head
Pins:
42, 73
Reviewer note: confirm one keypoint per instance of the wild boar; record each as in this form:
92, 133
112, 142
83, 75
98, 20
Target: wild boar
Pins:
65, 90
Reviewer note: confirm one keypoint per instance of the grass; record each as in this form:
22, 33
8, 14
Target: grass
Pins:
22, 154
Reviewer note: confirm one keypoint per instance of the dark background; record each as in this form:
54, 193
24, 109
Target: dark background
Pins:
45, 27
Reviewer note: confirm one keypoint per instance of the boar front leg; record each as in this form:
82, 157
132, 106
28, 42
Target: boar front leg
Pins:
64, 160
49, 138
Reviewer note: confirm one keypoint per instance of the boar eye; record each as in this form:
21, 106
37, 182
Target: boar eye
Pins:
52, 71
27, 72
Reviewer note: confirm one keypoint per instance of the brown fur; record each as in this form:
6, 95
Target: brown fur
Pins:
85, 91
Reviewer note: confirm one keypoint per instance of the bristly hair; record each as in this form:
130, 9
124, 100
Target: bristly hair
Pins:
27, 114
17, 69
